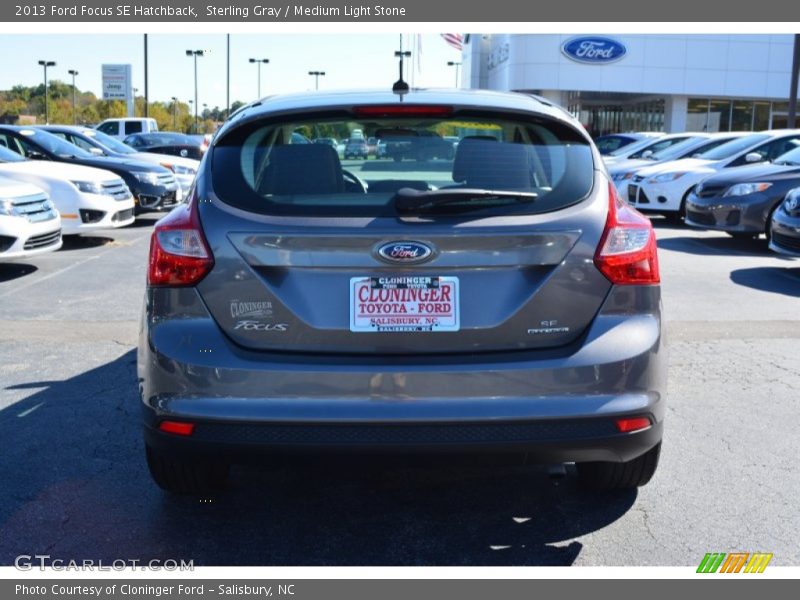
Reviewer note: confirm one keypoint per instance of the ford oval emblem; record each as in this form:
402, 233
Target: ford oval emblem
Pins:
593, 49
405, 252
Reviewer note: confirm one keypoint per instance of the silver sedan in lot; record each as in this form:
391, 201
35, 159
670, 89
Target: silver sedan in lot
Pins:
504, 300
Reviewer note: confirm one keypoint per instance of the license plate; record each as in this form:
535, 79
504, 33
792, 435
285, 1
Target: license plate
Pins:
404, 304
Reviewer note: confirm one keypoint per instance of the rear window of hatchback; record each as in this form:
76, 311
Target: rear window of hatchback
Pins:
259, 168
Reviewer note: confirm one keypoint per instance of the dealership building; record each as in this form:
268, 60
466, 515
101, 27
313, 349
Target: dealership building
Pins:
616, 83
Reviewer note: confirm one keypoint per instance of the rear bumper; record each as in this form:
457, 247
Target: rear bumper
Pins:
557, 405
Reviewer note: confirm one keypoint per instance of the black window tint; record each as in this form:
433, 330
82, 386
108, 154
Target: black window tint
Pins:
608, 145
657, 147
133, 127
260, 167
783, 146
109, 128
10, 142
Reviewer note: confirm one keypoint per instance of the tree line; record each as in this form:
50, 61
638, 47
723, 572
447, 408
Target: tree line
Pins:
25, 105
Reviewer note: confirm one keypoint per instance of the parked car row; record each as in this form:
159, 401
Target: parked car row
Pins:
745, 184
65, 180
395, 144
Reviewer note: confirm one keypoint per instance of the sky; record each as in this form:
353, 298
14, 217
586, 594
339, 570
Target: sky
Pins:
349, 60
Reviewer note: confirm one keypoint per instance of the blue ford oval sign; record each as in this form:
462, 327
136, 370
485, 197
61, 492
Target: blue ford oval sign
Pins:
405, 252
593, 49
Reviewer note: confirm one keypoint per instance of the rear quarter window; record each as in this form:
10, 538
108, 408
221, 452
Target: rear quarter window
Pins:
133, 127
260, 167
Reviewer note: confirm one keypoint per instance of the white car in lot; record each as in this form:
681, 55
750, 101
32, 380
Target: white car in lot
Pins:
29, 222
87, 198
663, 188
692, 144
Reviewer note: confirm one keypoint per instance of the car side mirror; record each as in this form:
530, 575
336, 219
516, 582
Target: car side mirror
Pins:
753, 157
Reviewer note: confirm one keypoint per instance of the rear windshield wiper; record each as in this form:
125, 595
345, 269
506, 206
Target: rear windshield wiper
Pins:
410, 200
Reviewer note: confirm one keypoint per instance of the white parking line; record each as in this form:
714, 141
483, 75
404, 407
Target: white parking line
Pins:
31, 283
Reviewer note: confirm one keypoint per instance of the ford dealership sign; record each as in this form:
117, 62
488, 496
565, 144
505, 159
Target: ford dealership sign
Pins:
593, 49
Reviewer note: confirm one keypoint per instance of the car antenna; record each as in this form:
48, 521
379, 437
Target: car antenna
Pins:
400, 86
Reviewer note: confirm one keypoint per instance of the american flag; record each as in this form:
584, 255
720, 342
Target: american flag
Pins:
456, 40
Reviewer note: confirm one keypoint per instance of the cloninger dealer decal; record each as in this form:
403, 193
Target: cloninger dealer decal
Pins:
404, 304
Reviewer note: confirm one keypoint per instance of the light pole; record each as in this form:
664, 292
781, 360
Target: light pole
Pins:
316, 75
400, 85
195, 54
73, 72
451, 63
259, 62
792, 117
45, 64
174, 112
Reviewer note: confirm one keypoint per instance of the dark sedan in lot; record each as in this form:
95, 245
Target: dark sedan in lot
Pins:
785, 226
741, 201
167, 142
153, 186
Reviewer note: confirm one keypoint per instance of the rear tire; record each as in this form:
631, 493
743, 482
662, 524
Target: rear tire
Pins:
186, 476
615, 476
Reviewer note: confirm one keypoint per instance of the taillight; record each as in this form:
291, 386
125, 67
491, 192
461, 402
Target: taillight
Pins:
179, 253
403, 110
627, 253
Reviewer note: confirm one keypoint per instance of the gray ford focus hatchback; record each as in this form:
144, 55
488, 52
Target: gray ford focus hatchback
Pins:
501, 299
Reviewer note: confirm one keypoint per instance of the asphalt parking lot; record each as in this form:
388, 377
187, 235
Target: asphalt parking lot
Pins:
75, 485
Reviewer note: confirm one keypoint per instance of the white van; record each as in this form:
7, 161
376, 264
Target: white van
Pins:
121, 128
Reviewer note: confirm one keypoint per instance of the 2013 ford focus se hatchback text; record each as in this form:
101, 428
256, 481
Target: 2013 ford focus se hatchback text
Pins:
502, 300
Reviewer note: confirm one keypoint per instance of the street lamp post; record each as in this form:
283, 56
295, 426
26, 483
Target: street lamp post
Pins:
400, 85
259, 62
174, 112
451, 63
45, 64
195, 54
73, 72
316, 75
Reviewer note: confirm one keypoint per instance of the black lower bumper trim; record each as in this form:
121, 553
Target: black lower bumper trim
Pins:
557, 440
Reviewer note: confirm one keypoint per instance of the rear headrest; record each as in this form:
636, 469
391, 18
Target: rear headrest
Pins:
302, 169
489, 164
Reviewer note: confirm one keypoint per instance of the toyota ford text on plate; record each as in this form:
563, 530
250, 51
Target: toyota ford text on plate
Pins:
502, 300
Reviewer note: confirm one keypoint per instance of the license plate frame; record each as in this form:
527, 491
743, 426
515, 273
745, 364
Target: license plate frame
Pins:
430, 304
